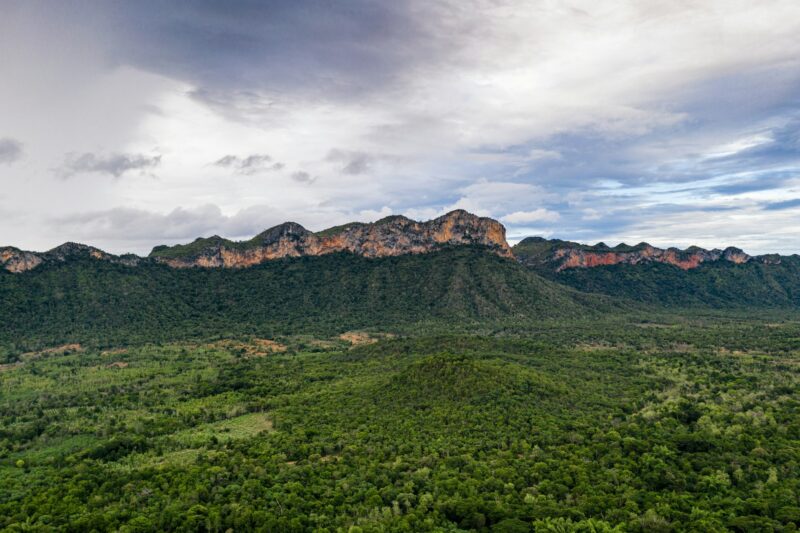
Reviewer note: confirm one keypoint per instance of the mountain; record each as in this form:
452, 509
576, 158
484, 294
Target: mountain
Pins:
98, 302
672, 277
561, 255
15, 260
393, 273
391, 236
388, 237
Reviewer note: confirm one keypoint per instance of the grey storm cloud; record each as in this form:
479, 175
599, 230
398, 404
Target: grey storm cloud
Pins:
302, 176
112, 164
352, 163
249, 164
10, 150
209, 41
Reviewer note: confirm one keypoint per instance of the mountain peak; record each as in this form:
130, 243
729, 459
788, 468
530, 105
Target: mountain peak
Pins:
281, 230
73, 249
390, 236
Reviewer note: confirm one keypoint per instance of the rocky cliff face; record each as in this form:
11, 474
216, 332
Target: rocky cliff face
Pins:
392, 236
16, 260
684, 259
560, 255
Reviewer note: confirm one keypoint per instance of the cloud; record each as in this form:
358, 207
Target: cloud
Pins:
537, 215
113, 164
537, 154
750, 228
227, 161
313, 47
353, 163
491, 198
501, 107
10, 150
249, 165
303, 177
124, 229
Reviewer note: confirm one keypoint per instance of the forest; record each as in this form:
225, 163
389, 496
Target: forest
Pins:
622, 425
455, 391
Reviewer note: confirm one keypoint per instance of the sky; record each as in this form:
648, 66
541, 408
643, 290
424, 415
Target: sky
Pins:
125, 125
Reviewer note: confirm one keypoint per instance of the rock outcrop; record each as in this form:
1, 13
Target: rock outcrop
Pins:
684, 259
391, 236
16, 260
561, 255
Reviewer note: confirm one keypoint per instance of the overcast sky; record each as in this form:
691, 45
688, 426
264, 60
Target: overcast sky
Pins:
130, 124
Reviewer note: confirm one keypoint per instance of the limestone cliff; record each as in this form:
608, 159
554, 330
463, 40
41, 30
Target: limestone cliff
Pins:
560, 255
16, 260
391, 236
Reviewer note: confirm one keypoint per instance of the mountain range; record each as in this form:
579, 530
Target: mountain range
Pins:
454, 270
392, 236
388, 237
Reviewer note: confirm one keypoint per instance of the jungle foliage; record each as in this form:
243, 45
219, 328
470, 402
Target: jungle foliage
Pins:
681, 425
102, 303
455, 391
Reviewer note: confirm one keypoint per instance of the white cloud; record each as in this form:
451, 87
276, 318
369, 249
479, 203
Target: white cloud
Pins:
477, 125
750, 228
537, 215
538, 154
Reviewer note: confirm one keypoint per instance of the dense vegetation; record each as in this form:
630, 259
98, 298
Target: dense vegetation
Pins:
455, 391
717, 284
714, 284
101, 303
670, 426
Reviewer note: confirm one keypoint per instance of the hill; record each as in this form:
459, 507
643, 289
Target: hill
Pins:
697, 277
84, 300
388, 237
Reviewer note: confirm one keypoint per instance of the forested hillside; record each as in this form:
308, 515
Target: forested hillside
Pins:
672, 278
715, 285
101, 303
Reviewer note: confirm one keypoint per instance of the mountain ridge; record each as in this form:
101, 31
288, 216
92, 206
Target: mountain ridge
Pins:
559, 255
390, 236
669, 277
85, 300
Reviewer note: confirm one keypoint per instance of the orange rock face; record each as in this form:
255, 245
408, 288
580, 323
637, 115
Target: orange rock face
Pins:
17, 261
570, 257
392, 236
389, 237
